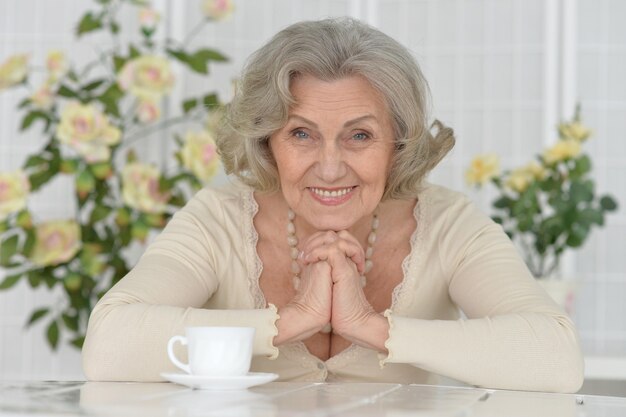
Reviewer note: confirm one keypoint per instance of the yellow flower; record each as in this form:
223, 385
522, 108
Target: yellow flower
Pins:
57, 66
14, 188
88, 131
56, 242
536, 170
148, 18
482, 169
519, 180
140, 188
562, 150
574, 130
199, 155
148, 77
43, 98
218, 9
148, 111
13, 71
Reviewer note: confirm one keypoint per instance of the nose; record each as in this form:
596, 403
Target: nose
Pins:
331, 165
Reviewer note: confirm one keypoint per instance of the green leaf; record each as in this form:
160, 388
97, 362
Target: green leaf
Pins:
134, 52
88, 23
125, 235
114, 27
118, 62
589, 216
608, 203
72, 75
9, 248
93, 85
78, 342
178, 54
582, 166
30, 117
199, 60
577, 236
189, 105
71, 322
52, 333
198, 64
38, 179
37, 315
98, 213
65, 91
50, 280
24, 103
34, 278
35, 161
524, 223
503, 202
139, 230
581, 191
210, 55
10, 281
110, 99
29, 243
210, 100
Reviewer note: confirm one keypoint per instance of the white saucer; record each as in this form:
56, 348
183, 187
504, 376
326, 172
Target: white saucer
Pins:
218, 383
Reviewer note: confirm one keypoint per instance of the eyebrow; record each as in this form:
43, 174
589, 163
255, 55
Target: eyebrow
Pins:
346, 124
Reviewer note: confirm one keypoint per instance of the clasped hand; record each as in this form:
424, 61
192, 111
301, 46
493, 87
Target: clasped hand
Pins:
330, 288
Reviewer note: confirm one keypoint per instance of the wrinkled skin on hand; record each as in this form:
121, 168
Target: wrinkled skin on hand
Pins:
350, 309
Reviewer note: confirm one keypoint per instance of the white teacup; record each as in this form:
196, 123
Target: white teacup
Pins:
215, 351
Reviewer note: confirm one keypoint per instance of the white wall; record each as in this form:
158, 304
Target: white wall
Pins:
498, 76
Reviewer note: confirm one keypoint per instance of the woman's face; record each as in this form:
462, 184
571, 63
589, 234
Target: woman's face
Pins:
335, 152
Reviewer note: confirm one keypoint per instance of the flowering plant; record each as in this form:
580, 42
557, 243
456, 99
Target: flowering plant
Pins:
91, 115
550, 204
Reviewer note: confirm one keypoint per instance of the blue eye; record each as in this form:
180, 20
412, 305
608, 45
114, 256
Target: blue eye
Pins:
360, 136
300, 134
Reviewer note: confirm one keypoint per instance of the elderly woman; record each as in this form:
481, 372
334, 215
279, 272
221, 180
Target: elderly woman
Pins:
331, 245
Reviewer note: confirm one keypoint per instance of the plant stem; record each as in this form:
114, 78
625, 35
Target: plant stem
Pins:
155, 128
194, 32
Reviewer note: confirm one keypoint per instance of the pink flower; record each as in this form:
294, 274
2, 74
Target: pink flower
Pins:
218, 9
56, 242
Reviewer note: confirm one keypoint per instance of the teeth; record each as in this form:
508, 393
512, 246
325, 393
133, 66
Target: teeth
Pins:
331, 194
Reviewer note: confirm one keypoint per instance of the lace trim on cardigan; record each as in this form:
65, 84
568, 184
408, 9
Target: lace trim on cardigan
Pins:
409, 263
251, 238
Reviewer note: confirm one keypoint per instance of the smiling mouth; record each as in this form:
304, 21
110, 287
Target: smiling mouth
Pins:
335, 193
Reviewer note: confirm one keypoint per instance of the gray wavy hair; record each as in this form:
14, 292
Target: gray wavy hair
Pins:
330, 49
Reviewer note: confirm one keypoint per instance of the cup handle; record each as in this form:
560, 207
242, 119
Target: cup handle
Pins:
172, 356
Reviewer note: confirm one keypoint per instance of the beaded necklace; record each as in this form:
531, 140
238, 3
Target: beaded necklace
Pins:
294, 252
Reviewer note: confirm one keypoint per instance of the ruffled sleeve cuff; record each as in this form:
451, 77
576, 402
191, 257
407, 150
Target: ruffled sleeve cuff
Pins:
273, 350
400, 345
383, 359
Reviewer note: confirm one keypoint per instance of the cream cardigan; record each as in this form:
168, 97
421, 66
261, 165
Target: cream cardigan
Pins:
203, 269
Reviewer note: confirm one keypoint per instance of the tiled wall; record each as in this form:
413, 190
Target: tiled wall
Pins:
498, 73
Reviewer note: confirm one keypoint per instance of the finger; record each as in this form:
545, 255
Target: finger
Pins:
358, 260
349, 249
337, 254
319, 239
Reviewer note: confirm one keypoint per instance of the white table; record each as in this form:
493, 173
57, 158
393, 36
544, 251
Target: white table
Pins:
292, 399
